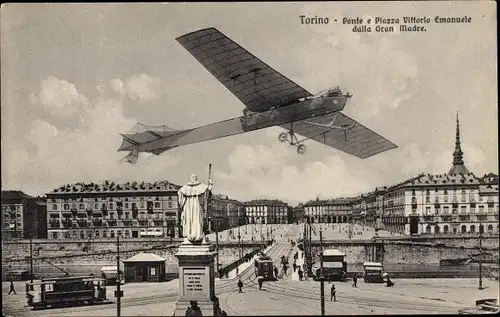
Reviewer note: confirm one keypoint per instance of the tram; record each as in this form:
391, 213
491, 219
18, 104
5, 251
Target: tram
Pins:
66, 291
264, 266
334, 266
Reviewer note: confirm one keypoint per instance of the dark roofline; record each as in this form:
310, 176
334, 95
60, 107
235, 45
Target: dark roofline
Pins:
262, 202
112, 187
15, 194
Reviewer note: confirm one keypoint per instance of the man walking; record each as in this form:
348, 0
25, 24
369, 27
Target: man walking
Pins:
260, 279
333, 294
12, 287
354, 281
240, 285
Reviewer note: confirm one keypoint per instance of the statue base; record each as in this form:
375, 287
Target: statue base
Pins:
196, 277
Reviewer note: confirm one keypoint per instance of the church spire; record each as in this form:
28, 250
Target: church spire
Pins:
458, 156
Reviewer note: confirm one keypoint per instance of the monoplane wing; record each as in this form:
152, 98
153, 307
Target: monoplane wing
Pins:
256, 84
356, 139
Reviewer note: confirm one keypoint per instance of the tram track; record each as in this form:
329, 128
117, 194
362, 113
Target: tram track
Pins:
225, 286
297, 293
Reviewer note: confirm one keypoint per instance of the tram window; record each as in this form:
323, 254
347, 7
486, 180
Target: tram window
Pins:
49, 287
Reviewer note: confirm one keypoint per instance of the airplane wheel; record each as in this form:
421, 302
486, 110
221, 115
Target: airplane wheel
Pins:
301, 149
283, 136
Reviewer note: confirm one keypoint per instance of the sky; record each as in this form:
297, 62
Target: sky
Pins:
74, 76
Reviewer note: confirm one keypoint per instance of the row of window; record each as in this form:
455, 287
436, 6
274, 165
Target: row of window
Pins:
82, 206
446, 199
66, 200
265, 208
463, 229
463, 210
113, 216
97, 234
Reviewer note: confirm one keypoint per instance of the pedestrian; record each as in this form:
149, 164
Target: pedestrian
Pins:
240, 285
354, 281
294, 266
260, 280
276, 272
12, 287
301, 274
333, 294
389, 282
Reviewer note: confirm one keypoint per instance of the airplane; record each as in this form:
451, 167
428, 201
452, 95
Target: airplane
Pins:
270, 99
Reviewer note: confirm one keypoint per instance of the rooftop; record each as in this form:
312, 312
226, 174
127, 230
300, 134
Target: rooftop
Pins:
488, 189
265, 202
144, 257
108, 186
334, 201
14, 194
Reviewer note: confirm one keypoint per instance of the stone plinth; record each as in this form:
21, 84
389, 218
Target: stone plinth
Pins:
196, 277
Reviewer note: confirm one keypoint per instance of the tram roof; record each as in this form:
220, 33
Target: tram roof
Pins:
69, 279
330, 252
378, 264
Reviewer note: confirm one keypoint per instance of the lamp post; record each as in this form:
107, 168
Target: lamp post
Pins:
321, 276
239, 242
31, 255
217, 242
118, 292
480, 257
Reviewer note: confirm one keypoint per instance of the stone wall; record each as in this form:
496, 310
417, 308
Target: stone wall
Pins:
465, 240
71, 252
401, 252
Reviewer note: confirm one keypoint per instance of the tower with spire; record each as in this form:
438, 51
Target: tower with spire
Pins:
458, 156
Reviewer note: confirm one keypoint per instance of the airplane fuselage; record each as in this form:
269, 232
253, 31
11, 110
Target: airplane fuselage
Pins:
300, 110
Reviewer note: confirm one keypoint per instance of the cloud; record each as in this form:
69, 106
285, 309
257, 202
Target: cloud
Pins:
117, 85
74, 155
59, 103
138, 87
263, 171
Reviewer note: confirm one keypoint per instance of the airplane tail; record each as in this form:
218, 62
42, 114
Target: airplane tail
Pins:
132, 157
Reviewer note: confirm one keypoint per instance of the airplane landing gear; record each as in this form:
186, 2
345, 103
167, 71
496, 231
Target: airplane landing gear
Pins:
301, 149
283, 136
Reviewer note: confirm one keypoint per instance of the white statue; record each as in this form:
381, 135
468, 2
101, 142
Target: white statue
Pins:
192, 198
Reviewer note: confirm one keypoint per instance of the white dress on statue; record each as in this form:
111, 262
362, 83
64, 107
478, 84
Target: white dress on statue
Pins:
192, 198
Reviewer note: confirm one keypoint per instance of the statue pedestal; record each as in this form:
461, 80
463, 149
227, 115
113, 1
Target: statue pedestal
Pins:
196, 277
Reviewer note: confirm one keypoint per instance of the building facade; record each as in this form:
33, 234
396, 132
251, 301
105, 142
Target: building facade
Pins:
23, 216
454, 203
265, 211
224, 213
339, 210
131, 210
